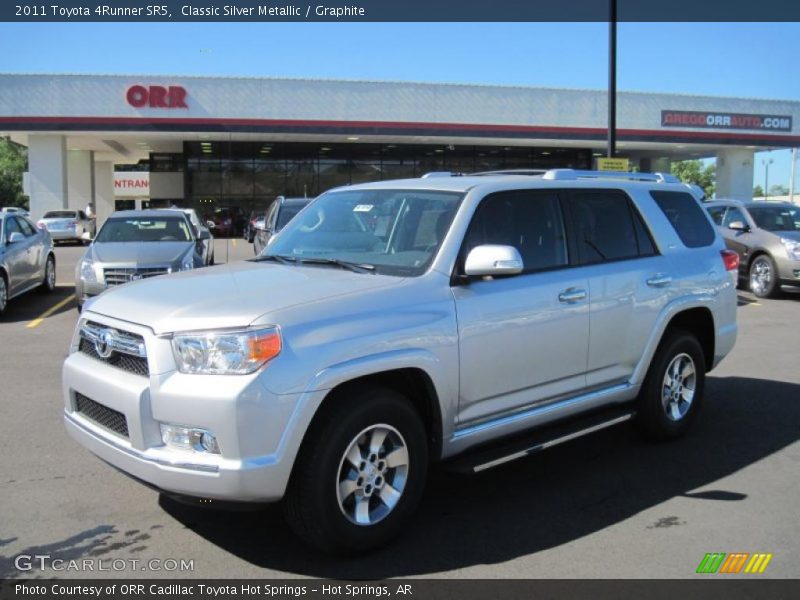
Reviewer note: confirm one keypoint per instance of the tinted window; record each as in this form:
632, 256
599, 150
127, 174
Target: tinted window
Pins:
528, 220
59, 214
286, 214
11, 227
27, 229
716, 212
686, 217
604, 227
733, 215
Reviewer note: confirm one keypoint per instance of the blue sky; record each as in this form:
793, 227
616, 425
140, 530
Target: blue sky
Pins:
727, 59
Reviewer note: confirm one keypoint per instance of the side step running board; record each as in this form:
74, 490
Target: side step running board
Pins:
505, 451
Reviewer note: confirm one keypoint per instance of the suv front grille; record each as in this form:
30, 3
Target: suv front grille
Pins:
102, 415
127, 350
120, 275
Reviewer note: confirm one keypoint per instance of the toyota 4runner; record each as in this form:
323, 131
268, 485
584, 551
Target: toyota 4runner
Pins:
397, 323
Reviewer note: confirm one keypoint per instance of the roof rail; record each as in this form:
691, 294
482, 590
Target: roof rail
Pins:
567, 174
441, 174
530, 172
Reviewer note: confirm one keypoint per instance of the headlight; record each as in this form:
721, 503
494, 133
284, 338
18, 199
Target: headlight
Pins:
188, 262
792, 248
87, 271
225, 352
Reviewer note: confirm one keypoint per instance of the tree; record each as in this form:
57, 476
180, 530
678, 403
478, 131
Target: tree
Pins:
13, 163
758, 192
778, 190
692, 171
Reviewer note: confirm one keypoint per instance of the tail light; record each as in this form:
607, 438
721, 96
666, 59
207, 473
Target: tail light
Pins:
731, 260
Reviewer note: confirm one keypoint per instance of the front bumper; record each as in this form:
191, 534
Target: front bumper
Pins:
788, 270
251, 424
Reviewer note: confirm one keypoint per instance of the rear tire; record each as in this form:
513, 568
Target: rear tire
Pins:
360, 473
3, 293
672, 392
763, 277
49, 281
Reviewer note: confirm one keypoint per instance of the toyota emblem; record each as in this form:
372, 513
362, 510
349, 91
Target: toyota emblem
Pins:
102, 344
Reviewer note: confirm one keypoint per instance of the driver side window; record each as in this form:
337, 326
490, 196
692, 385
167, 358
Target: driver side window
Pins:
528, 220
732, 215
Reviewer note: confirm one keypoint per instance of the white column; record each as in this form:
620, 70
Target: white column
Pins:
735, 174
166, 186
47, 165
103, 190
80, 179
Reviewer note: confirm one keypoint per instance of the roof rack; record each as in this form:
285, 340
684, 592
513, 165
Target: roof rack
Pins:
530, 172
434, 174
568, 174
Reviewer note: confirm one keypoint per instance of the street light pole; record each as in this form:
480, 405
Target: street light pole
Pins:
767, 162
791, 175
612, 78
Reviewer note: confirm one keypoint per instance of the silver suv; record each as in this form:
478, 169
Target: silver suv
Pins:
394, 324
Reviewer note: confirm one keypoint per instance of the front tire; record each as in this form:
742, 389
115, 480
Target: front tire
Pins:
360, 473
763, 277
673, 388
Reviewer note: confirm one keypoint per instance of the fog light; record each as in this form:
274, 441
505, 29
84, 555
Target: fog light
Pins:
797, 273
188, 438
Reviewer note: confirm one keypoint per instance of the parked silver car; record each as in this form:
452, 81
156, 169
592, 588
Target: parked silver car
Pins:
134, 245
68, 225
766, 236
397, 323
27, 260
278, 216
203, 233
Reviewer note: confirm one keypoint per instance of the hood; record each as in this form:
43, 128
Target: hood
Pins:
789, 235
140, 253
232, 295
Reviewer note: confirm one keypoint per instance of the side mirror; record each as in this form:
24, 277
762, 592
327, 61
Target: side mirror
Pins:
204, 235
15, 237
738, 226
210, 224
493, 260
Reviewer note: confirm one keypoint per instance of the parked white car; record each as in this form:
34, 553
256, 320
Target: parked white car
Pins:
68, 225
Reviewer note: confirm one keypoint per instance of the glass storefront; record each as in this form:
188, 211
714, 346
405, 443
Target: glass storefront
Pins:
247, 176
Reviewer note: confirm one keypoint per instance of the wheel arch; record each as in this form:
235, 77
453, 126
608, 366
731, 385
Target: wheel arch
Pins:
698, 321
414, 383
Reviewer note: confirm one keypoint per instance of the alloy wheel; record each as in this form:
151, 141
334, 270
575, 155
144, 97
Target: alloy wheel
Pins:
372, 475
760, 276
678, 387
50, 274
3, 294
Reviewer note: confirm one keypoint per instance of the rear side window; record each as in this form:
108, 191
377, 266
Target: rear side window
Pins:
716, 212
607, 227
686, 217
27, 229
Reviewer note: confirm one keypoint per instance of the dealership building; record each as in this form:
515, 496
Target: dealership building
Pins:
240, 142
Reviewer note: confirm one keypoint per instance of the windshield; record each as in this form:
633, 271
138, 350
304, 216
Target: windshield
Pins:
396, 231
151, 229
59, 214
776, 218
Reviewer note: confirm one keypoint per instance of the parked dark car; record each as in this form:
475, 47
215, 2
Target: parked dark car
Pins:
228, 221
279, 214
254, 223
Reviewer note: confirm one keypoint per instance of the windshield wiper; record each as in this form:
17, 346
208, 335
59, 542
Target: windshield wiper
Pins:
284, 260
352, 266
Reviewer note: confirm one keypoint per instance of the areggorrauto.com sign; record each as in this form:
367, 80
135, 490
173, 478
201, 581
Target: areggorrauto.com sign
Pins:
719, 120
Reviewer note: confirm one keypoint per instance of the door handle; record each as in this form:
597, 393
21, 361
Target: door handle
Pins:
659, 280
571, 295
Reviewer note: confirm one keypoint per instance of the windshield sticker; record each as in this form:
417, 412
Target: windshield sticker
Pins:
363, 208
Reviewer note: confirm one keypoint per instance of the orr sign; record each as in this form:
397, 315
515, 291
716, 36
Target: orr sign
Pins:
156, 96
715, 120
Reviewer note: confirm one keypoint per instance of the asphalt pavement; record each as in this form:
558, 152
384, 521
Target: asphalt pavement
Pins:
608, 505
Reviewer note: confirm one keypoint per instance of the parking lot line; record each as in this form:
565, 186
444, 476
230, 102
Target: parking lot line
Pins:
38, 320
